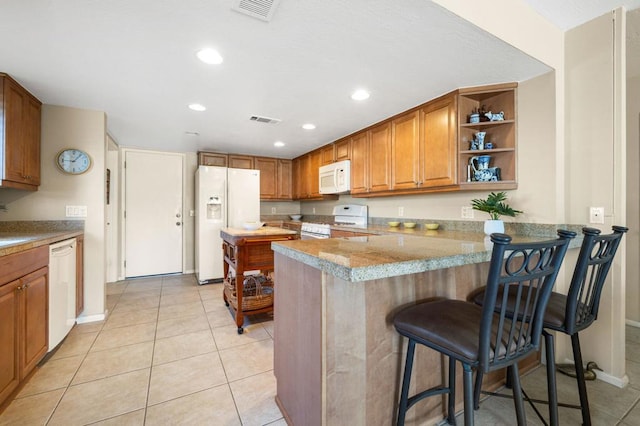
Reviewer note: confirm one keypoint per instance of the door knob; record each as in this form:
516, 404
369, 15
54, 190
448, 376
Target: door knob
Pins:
177, 214
178, 223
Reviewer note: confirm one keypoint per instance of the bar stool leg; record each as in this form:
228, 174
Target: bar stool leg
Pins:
514, 372
549, 344
404, 396
582, 388
477, 390
451, 414
467, 378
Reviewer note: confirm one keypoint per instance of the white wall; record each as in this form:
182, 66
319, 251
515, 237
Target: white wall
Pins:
596, 167
633, 174
64, 127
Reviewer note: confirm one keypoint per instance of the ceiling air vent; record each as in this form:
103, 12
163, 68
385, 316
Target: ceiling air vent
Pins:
261, 9
260, 119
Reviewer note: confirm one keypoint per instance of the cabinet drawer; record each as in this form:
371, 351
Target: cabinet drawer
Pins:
14, 266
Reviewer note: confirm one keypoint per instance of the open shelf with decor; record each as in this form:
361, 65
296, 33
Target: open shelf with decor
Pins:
487, 144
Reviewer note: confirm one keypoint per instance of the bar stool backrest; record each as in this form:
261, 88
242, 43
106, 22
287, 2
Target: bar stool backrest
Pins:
522, 275
589, 276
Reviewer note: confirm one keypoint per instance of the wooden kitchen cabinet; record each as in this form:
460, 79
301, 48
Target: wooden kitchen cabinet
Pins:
405, 151
307, 178
212, 159
285, 180
438, 150
79, 275
34, 333
502, 134
371, 160
328, 154
24, 280
275, 178
343, 149
9, 308
268, 177
20, 112
240, 161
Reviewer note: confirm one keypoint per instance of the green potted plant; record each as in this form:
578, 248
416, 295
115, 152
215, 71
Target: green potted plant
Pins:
496, 206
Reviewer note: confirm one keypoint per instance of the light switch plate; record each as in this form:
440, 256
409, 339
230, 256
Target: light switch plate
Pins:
76, 211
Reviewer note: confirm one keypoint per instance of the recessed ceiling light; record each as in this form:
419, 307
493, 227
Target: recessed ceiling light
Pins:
209, 56
360, 95
308, 126
197, 107
278, 144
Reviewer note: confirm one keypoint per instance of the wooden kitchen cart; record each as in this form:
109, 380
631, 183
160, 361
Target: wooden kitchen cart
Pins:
244, 251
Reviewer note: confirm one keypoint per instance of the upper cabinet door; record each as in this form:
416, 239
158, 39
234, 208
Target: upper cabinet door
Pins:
360, 163
240, 161
212, 159
21, 115
284, 184
268, 177
405, 151
343, 149
380, 158
328, 154
438, 148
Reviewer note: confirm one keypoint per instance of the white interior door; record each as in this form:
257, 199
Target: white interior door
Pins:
153, 213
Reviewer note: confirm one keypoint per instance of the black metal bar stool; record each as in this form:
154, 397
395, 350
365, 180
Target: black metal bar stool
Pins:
571, 313
478, 337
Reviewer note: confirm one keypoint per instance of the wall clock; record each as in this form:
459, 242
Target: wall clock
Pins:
73, 161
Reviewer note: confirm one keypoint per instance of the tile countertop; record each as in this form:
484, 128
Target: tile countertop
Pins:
13, 242
410, 251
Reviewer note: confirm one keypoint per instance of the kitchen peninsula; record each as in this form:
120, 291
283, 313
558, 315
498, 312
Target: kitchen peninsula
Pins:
337, 357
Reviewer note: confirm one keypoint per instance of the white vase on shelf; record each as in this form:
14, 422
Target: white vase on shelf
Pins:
491, 226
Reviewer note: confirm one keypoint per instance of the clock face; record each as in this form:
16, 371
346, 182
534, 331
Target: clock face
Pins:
73, 161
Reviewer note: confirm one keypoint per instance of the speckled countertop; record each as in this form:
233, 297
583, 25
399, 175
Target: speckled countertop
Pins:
24, 235
401, 252
263, 231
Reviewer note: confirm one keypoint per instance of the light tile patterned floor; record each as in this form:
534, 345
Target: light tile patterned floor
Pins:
169, 354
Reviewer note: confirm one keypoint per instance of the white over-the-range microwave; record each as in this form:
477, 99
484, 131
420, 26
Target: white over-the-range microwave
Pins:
335, 178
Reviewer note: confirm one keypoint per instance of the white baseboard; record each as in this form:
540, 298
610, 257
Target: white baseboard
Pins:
633, 323
90, 318
620, 382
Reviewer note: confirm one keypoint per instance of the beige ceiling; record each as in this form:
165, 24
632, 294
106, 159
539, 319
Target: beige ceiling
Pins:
136, 61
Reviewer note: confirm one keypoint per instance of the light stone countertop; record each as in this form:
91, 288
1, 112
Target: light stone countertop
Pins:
263, 231
15, 242
381, 256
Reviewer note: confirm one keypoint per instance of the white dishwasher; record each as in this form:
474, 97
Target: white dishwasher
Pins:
62, 290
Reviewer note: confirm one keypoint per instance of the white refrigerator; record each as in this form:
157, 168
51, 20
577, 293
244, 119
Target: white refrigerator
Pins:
224, 198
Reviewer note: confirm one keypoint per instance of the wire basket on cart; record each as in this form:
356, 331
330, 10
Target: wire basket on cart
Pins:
257, 292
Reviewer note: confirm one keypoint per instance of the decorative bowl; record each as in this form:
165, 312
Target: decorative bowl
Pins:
295, 216
393, 224
432, 226
409, 225
252, 226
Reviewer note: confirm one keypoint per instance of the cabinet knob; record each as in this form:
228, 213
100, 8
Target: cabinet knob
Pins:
19, 288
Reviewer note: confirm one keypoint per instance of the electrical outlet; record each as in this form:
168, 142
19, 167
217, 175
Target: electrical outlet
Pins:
467, 212
314, 210
273, 210
400, 211
596, 215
